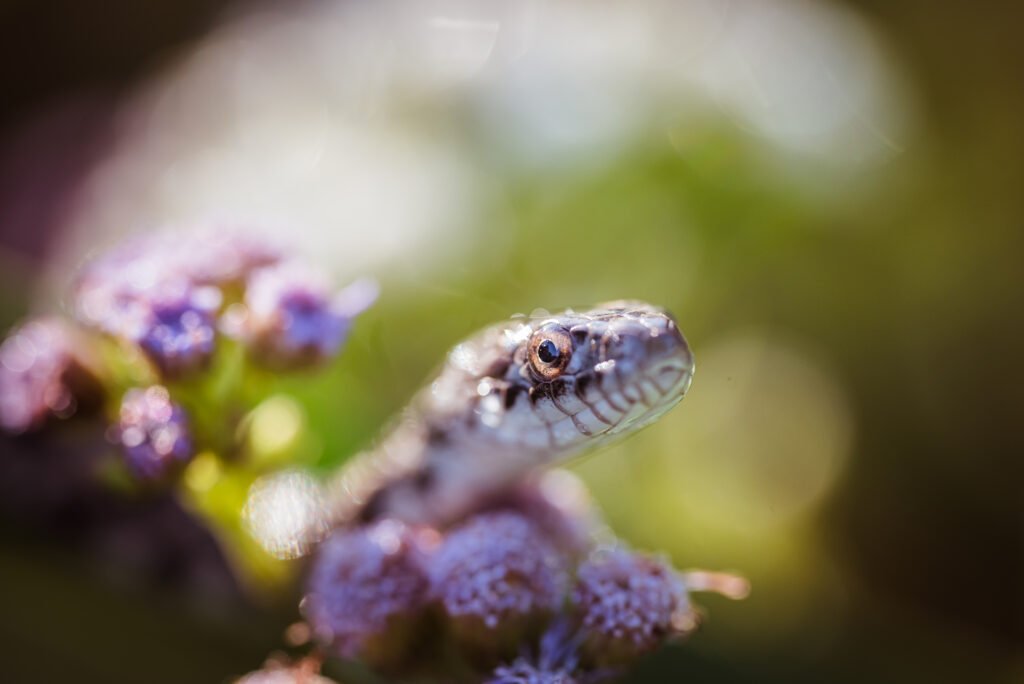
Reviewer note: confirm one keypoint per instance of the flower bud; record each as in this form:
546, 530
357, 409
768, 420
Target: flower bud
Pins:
557, 503
45, 372
153, 433
291, 318
366, 591
135, 294
176, 328
628, 604
496, 577
222, 255
163, 291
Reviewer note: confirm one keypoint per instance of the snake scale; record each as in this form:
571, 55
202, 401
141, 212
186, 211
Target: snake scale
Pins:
518, 396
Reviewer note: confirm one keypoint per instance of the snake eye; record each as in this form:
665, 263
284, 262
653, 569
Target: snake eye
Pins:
547, 352
550, 351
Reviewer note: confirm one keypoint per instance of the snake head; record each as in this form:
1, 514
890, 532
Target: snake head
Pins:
550, 386
529, 392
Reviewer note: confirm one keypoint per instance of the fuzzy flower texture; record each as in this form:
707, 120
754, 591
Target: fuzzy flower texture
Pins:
169, 302
154, 433
496, 567
46, 372
367, 584
166, 329
490, 587
172, 293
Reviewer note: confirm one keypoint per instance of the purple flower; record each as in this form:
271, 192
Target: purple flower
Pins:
176, 330
522, 671
136, 293
109, 290
628, 604
162, 291
153, 433
292, 319
366, 589
559, 506
222, 255
44, 373
496, 567
211, 255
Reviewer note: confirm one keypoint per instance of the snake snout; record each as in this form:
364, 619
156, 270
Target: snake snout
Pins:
647, 353
669, 359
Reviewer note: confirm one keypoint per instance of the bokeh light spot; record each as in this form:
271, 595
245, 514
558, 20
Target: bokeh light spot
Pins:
763, 436
285, 513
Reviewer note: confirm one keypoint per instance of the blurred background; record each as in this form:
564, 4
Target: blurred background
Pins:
827, 194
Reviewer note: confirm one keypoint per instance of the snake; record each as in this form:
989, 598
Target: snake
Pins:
517, 397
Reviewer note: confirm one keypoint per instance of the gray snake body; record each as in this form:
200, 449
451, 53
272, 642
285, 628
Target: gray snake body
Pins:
518, 396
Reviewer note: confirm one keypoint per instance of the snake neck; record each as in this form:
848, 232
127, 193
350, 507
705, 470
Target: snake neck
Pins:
428, 470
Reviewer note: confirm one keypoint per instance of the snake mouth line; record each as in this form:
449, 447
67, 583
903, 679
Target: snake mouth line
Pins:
608, 404
641, 413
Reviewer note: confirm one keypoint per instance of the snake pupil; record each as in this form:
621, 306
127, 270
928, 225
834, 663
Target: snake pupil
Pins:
547, 351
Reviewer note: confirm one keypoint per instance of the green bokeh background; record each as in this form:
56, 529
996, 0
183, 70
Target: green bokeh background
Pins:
875, 323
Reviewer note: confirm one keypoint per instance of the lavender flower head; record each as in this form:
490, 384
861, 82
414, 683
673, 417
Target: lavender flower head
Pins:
497, 566
214, 255
106, 293
176, 329
222, 255
629, 603
365, 586
559, 506
163, 291
43, 374
292, 319
153, 433
140, 293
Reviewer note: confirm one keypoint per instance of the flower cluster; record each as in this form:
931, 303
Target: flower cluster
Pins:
628, 604
171, 302
487, 588
45, 372
496, 567
171, 294
368, 588
290, 318
153, 432
171, 331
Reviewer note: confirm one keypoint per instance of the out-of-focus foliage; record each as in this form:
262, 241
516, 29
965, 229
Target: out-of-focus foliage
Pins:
850, 441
